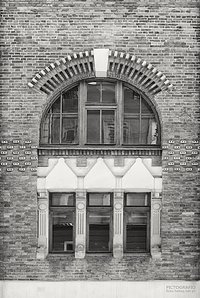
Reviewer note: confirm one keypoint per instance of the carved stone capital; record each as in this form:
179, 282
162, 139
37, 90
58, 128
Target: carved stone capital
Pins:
42, 194
80, 194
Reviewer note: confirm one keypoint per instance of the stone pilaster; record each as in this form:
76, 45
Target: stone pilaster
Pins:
156, 205
80, 242
42, 249
118, 224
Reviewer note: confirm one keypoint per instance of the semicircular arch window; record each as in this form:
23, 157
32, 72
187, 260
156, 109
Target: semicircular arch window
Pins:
97, 113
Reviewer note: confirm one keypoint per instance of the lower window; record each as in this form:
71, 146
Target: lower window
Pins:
62, 222
136, 222
99, 222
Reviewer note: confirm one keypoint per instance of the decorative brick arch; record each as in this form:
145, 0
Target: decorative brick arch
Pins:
100, 63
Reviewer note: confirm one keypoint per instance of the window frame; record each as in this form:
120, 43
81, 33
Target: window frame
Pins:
102, 208
117, 107
63, 209
137, 209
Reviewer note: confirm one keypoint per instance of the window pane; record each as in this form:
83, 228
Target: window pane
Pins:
149, 131
70, 101
93, 127
146, 133
55, 129
137, 218
99, 199
93, 92
137, 199
131, 131
136, 231
146, 109
99, 231
108, 92
56, 106
62, 199
70, 130
45, 130
62, 231
136, 237
108, 127
131, 101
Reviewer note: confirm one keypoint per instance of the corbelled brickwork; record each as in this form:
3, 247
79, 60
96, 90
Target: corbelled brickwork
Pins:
37, 33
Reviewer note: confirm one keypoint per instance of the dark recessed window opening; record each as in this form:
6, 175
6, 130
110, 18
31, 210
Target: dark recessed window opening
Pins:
62, 222
100, 113
99, 222
137, 222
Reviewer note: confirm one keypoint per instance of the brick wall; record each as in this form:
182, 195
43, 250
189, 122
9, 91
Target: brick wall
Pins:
36, 33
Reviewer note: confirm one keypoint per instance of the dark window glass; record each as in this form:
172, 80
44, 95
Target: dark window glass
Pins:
108, 127
93, 127
139, 125
99, 199
62, 231
131, 101
62, 199
136, 237
93, 92
70, 130
100, 126
146, 109
99, 231
45, 130
100, 92
70, 101
56, 106
108, 92
138, 199
131, 130
55, 129
136, 231
137, 224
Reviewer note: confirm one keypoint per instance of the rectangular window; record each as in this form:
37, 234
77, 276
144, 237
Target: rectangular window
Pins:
62, 222
136, 222
100, 92
100, 126
99, 222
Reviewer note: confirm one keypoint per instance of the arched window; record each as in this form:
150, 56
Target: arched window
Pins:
100, 113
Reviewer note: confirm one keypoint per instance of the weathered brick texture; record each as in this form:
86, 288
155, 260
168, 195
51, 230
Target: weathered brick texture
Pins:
37, 32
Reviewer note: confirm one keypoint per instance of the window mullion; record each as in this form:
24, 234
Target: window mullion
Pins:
50, 127
101, 125
140, 122
82, 94
60, 136
119, 114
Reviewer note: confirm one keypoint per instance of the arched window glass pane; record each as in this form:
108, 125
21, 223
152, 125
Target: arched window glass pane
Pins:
93, 127
101, 92
56, 106
131, 101
70, 101
108, 92
101, 113
55, 129
93, 92
139, 126
69, 129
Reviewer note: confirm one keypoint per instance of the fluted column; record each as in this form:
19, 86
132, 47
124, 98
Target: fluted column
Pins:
42, 205
118, 224
80, 242
156, 205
